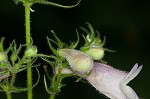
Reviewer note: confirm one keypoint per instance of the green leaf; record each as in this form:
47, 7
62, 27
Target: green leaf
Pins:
14, 56
1, 44
17, 89
45, 83
109, 50
58, 40
38, 78
85, 30
56, 4
92, 34
51, 47
103, 42
77, 42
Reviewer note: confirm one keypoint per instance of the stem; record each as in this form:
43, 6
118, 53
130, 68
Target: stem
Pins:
29, 78
13, 79
28, 42
56, 81
52, 97
27, 23
8, 95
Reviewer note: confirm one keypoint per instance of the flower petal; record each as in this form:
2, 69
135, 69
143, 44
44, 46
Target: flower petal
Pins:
132, 74
129, 92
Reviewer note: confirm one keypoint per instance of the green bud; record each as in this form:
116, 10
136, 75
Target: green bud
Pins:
13, 57
77, 60
95, 53
3, 57
31, 51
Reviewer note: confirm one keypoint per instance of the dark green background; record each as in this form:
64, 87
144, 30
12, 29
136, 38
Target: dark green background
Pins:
125, 23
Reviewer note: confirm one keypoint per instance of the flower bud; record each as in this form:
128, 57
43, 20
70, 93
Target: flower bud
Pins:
3, 57
13, 57
31, 51
78, 61
95, 53
63, 71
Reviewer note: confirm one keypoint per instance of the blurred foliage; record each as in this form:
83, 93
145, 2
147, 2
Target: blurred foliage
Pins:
125, 23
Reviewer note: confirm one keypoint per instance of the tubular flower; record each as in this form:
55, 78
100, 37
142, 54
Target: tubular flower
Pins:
112, 82
77, 60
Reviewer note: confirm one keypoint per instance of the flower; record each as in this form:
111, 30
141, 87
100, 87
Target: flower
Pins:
109, 81
112, 82
77, 60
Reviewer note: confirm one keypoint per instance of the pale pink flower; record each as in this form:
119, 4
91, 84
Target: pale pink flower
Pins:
109, 81
112, 82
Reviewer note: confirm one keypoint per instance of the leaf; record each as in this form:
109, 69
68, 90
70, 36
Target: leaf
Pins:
77, 42
45, 83
92, 34
85, 30
38, 78
1, 44
48, 61
106, 49
18, 89
103, 42
51, 47
56, 4
60, 44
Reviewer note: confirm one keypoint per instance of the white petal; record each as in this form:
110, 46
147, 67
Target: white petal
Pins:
129, 92
132, 74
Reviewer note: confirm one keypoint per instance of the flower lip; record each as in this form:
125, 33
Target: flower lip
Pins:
112, 82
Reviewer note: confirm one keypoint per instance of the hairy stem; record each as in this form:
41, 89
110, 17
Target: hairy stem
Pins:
28, 42
27, 23
29, 78
8, 95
